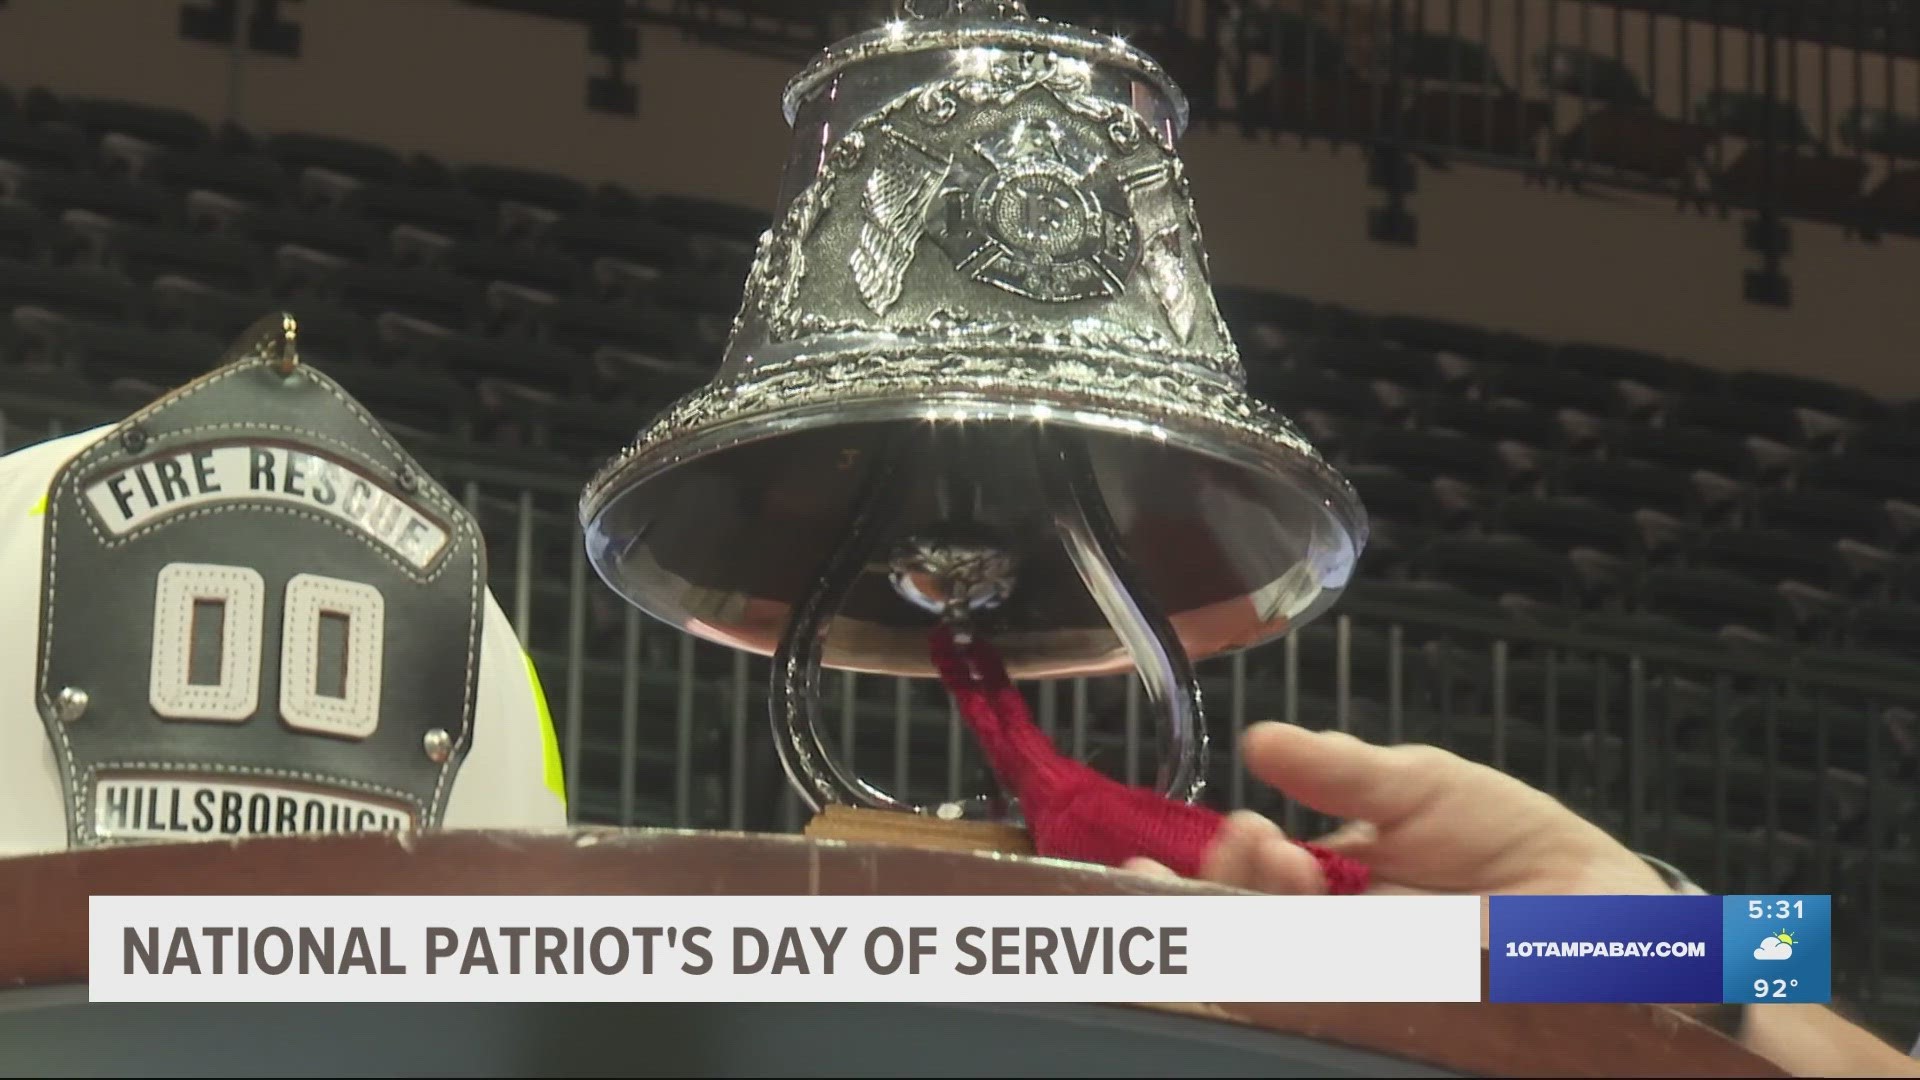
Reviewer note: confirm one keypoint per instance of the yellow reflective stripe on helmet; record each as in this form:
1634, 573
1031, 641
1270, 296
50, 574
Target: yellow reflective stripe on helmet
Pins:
39, 508
549, 743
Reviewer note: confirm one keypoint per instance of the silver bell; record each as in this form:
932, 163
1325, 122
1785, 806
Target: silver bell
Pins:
979, 375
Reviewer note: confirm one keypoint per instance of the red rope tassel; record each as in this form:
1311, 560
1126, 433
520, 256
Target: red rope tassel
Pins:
1074, 811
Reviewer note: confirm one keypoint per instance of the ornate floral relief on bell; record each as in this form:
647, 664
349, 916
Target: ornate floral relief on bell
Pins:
978, 376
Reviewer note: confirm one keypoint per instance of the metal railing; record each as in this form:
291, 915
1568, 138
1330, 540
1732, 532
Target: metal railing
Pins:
1781, 109
1749, 106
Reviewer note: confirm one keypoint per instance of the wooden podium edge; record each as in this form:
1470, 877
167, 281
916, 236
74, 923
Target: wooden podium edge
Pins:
851, 824
44, 916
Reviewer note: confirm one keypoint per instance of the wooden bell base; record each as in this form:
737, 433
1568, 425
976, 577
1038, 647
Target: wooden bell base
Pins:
855, 824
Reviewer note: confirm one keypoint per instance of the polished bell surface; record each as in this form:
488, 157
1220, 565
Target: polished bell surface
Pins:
986, 251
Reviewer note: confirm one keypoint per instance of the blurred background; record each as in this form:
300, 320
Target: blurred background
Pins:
1609, 310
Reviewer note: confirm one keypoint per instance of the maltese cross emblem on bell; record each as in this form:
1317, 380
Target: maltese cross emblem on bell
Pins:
978, 382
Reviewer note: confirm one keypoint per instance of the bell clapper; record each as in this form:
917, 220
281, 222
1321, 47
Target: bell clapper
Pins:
951, 580
1092, 538
793, 701
953, 575
958, 573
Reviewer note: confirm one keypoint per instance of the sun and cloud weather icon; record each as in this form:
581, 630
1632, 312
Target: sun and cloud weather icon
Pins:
1775, 947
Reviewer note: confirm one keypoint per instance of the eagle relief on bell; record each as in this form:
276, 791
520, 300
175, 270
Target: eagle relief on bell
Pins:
980, 419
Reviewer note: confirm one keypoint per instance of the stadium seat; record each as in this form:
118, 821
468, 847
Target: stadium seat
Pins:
1825, 514
587, 430
1426, 609
1544, 388
1561, 523
1246, 309
1391, 545
1805, 392
1770, 556
1893, 205
158, 126
352, 158
30, 236
1633, 365
585, 326
1389, 496
1880, 129
166, 358
1896, 437
429, 400
42, 105
1330, 100
224, 263
533, 187
1461, 339
597, 236
328, 333
328, 232
1893, 629
123, 202
43, 402
1359, 359
709, 217
1863, 474
1686, 781
544, 271
76, 291
1368, 657
1495, 566
1571, 69
1298, 391
1683, 449
474, 356
1801, 724
712, 292
1754, 117
1443, 58
1429, 457
1507, 422
1713, 600
1627, 486
1479, 118
1797, 180
30, 146
1650, 627
1786, 423
452, 214
1577, 687
1638, 143
645, 378
442, 299
251, 180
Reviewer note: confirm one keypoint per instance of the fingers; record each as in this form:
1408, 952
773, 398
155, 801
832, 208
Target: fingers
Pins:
1250, 853
1284, 867
1351, 837
1340, 776
1229, 860
1253, 853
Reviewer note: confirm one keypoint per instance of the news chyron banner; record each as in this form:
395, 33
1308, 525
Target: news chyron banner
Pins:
838, 949
935, 949
1660, 949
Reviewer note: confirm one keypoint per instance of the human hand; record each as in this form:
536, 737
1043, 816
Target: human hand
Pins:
1423, 819
1428, 821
